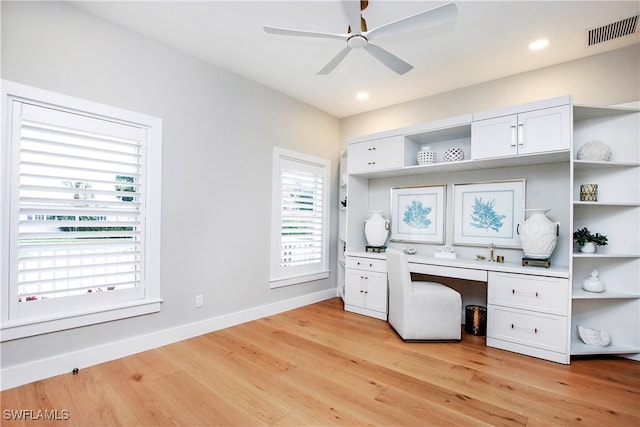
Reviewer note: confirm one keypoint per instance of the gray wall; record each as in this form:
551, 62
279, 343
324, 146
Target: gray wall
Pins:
219, 131
606, 79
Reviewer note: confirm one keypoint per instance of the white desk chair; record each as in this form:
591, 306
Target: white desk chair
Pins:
421, 311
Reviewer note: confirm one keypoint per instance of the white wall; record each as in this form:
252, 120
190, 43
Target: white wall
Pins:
219, 131
606, 79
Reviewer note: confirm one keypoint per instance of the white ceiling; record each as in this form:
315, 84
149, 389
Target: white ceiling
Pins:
488, 41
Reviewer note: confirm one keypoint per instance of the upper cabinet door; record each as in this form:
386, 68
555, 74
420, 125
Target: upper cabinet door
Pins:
496, 137
359, 157
544, 130
532, 132
374, 155
387, 153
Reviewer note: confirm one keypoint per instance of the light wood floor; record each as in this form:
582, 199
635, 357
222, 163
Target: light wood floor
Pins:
319, 365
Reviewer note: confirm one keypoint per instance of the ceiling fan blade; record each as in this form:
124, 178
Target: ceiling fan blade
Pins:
432, 17
335, 61
388, 59
352, 12
302, 33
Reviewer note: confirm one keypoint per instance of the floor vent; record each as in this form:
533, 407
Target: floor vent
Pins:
616, 30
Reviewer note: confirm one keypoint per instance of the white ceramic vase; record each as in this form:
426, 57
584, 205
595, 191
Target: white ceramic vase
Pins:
376, 229
538, 234
593, 283
426, 156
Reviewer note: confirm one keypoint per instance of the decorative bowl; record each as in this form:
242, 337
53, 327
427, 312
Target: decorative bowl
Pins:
454, 155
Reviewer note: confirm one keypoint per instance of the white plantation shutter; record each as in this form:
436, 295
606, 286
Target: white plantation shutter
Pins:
78, 212
79, 205
300, 226
301, 221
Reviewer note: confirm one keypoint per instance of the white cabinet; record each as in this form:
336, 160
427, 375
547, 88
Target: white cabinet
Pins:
616, 214
545, 133
366, 286
529, 315
531, 132
375, 155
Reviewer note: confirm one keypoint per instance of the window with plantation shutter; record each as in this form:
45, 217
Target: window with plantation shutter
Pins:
300, 218
80, 211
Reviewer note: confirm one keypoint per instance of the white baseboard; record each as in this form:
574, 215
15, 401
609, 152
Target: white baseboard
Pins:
14, 376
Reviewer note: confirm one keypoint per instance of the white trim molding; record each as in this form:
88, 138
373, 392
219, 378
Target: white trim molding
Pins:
14, 376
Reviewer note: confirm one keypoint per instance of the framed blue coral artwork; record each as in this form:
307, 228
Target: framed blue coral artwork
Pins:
417, 214
488, 212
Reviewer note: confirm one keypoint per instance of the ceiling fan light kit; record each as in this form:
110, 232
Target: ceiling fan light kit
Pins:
361, 38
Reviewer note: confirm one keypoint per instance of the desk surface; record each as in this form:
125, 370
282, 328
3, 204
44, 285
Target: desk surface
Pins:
477, 268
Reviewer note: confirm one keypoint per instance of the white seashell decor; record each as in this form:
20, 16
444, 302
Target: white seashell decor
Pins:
595, 150
594, 337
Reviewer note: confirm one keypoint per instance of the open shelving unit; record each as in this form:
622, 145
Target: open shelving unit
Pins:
615, 214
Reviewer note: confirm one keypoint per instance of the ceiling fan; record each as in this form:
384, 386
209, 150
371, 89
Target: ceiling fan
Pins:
358, 37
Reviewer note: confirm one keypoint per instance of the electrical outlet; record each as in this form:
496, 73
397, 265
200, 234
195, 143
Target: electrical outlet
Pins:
199, 300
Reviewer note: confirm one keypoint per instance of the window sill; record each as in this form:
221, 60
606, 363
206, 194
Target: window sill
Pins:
296, 280
26, 328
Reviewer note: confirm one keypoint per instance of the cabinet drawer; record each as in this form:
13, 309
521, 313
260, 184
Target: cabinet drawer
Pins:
537, 293
544, 331
369, 264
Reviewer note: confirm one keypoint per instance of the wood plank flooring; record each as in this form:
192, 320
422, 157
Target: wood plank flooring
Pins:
319, 365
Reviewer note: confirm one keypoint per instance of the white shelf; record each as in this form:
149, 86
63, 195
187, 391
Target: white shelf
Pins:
613, 204
466, 165
578, 348
590, 164
581, 294
611, 255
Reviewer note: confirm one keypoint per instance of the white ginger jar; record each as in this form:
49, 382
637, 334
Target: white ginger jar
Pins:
538, 234
376, 229
593, 284
426, 156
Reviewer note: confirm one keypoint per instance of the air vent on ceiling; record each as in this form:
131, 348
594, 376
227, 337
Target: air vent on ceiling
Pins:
612, 31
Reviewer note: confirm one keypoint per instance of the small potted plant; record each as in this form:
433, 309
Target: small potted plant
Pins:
588, 241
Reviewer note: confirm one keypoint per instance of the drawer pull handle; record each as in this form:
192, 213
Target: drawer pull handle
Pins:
535, 330
536, 294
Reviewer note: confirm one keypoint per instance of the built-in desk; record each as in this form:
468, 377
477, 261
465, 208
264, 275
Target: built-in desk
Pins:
469, 269
527, 307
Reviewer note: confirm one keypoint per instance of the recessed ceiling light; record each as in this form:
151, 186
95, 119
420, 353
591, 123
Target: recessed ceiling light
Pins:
539, 44
362, 96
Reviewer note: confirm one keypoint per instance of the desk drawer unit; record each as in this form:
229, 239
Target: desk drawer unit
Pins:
542, 294
544, 331
529, 314
369, 264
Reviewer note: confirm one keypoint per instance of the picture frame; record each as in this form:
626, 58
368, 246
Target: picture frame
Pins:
418, 214
488, 213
